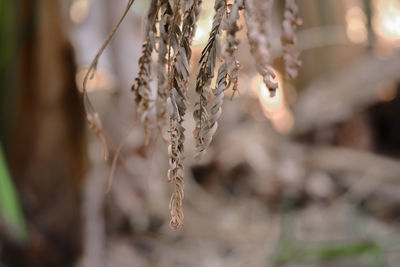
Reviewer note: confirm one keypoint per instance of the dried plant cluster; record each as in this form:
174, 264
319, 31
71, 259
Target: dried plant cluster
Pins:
170, 28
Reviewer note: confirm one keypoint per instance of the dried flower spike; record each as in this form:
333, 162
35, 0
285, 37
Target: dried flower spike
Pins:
289, 25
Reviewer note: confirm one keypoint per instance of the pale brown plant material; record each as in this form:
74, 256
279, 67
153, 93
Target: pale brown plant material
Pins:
289, 25
204, 131
258, 20
178, 86
141, 88
229, 49
166, 15
172, 40
216, 104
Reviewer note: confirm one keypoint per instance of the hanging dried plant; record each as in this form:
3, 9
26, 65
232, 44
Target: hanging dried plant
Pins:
195, 16
176, 28
203, 132
176, 171
141, 87
162, 78
258, 20
216, 104
289, 25
178, 85
229, 49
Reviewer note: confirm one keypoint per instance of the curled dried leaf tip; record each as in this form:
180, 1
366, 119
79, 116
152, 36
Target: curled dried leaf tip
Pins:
177, 107
175, 176
216, 104
176, 171
175, 206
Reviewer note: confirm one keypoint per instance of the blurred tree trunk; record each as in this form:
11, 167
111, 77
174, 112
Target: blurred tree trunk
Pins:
46, 150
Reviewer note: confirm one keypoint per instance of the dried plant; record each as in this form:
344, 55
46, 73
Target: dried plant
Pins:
203, 132
289, 25
166, 15
228, 50
178, 85
258, 20
216, 105
141, 87
176, 27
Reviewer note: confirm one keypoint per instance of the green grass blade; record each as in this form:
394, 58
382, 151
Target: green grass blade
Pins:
10, 209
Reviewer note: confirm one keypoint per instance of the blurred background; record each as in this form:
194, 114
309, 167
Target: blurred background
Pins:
308, 178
